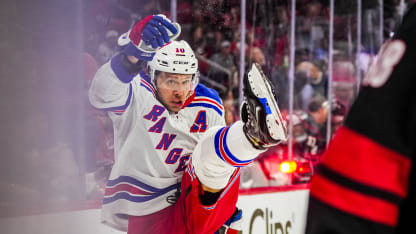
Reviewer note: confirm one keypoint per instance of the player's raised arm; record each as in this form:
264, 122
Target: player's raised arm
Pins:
111, 85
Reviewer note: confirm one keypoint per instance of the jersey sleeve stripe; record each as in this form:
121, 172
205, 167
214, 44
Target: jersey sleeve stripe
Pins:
119, 70
123, 107
223, 151
357, 186
352, 202
367, 158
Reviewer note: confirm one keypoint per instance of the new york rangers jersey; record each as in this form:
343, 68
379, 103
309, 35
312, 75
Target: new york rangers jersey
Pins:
152, 145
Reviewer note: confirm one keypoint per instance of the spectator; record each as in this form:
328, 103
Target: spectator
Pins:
218, 40
108, 47
316, 127
199, 42
281, 82
198, 39
315, 78
344, 82
338, 113
230, 110
257, 56
224, 59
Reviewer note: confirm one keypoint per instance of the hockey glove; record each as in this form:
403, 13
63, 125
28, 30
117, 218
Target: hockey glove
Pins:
147, 35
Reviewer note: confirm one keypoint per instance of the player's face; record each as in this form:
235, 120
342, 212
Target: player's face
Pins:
174, 89
323, 113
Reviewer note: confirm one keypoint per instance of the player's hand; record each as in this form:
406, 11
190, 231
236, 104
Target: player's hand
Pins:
148, 34
155, 33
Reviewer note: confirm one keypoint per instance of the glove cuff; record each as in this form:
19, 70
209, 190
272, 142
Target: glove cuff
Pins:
119, 68
132, 50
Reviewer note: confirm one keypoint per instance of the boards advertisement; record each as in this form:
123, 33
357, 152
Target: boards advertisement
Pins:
274, 213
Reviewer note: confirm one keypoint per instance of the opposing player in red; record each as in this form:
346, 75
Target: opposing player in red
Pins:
366, 180
176, 162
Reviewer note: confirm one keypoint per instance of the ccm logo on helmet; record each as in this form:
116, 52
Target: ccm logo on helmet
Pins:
180, 50
180, 62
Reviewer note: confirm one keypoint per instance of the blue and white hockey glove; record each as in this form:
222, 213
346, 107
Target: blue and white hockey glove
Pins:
147, 35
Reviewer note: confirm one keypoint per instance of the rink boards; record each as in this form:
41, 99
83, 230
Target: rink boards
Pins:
267, 210
276, 210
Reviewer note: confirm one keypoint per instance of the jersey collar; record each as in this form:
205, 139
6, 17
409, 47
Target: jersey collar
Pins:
189, 100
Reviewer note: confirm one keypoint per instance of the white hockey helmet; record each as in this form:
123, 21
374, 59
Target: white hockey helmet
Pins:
175, 57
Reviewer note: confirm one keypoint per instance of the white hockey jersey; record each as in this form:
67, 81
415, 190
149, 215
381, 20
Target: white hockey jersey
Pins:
152, 146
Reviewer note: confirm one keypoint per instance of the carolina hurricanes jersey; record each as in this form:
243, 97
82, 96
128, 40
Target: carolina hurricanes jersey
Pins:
152, 145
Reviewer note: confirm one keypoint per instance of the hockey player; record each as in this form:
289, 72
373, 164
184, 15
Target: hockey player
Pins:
366, 181
176, 163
